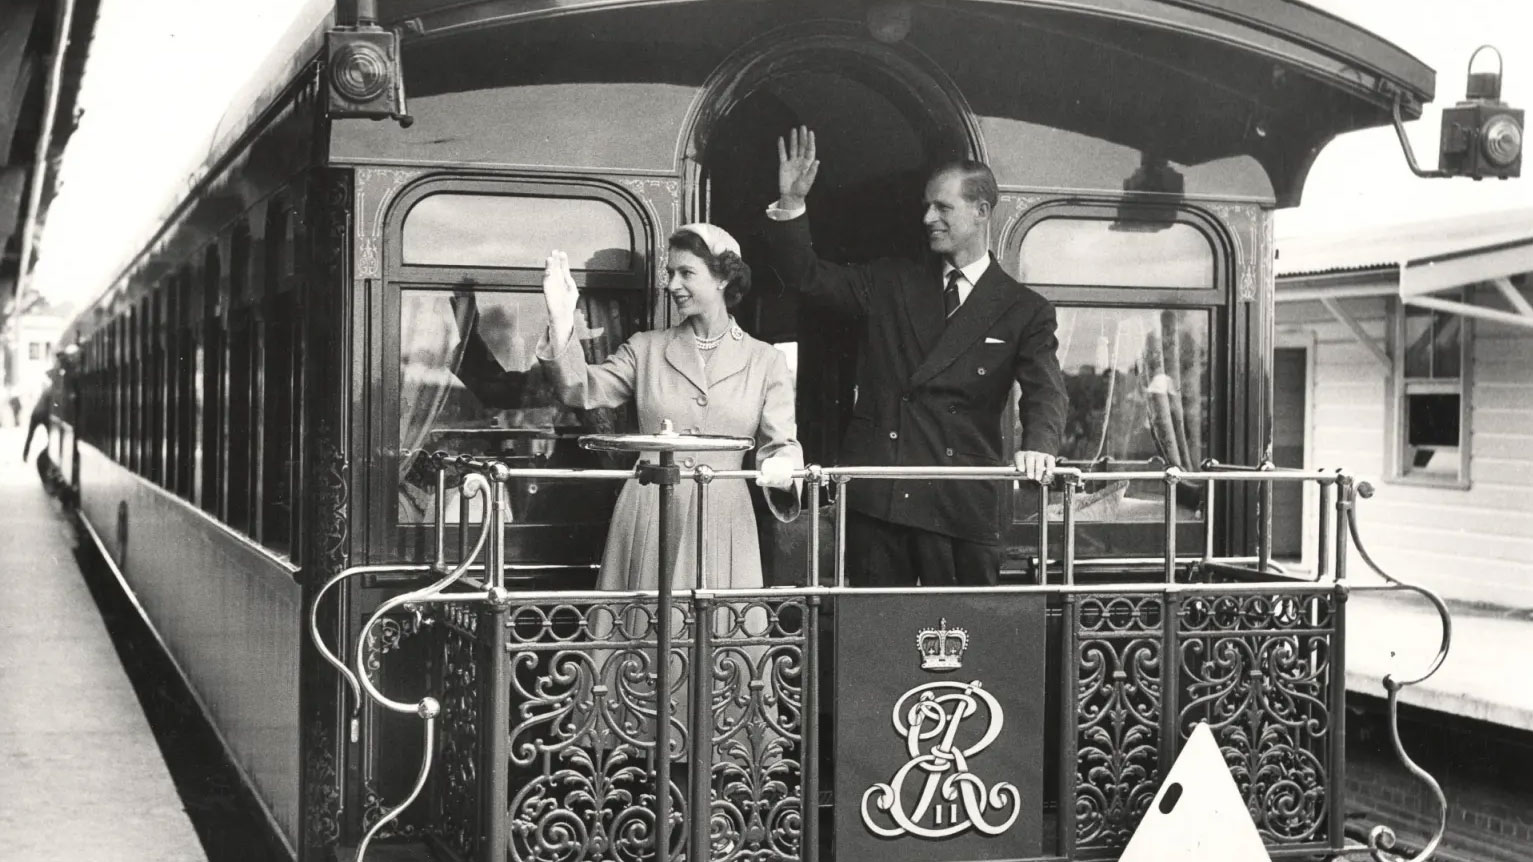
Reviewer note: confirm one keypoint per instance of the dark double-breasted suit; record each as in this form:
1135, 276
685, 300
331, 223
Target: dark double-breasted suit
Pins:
930, 390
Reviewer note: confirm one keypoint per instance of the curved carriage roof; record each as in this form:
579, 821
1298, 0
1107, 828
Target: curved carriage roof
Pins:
1301, 26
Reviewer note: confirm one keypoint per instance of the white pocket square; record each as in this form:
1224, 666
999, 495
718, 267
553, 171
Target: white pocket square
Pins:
989, 340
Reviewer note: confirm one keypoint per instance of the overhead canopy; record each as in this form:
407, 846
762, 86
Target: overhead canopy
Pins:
1418, 263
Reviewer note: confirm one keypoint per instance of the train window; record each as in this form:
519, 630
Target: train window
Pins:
210, 371
1100, 252
1432, 420
1138, 381
277, 452
510, 231
470, 383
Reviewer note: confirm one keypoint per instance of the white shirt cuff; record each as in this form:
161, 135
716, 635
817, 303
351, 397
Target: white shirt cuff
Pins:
777, 212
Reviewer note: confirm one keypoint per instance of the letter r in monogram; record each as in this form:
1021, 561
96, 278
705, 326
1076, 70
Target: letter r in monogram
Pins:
935, 795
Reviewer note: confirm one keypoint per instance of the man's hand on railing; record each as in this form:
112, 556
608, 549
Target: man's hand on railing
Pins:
1036, 466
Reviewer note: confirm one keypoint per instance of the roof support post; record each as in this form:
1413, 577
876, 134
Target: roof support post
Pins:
1358, 333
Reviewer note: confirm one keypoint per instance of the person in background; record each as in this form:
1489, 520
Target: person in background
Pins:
940, 345
42, 412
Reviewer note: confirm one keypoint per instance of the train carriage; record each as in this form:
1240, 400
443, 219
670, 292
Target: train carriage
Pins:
274, 412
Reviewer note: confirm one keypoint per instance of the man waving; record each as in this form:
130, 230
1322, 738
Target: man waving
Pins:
939, 346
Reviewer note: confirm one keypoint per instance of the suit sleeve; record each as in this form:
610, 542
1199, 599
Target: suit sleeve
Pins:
777, 434
586, 387
1044, 402
483, 375
844, 290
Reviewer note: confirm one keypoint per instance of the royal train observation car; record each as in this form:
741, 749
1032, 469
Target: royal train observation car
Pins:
275, 428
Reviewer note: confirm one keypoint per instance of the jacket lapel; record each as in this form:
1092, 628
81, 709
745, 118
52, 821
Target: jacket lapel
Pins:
922, 303
681, 354
729, 358
989, 299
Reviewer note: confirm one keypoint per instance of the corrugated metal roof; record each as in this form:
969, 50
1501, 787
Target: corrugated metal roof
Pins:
1390, 245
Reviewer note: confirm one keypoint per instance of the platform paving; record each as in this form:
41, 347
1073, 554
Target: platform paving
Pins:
81, 777
1486, 675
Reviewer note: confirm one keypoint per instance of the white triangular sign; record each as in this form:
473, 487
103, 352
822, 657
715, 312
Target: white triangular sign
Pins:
1198, 814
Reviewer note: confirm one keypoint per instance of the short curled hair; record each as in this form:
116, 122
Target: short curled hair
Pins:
726, 267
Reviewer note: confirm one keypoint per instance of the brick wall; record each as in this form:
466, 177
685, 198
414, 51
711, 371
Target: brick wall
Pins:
1485, 770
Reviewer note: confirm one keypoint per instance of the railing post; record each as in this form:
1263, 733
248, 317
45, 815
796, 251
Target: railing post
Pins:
1209, 503
1323, 557
1170, 681
701, 779
1338, 752
1043, 532
497, 727
1264, 537
813, 569
809, 725
441, 517
1344, 502
1068, 517
1172, 477
665, 477
1069, 723
841, 531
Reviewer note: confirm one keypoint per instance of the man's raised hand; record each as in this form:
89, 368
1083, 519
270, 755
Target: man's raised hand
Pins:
796, 167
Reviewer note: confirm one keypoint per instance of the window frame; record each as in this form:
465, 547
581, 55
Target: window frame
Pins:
391, 539
1225, 312
1397, 446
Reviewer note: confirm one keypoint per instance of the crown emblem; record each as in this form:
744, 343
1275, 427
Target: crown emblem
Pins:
942, 648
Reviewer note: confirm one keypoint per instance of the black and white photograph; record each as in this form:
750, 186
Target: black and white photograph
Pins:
766, 431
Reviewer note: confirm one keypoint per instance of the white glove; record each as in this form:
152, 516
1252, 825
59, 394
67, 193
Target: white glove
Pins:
776, 473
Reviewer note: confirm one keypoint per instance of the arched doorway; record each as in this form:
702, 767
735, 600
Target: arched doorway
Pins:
882, 115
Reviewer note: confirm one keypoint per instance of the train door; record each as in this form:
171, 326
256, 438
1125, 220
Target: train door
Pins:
881, 123
1290, 421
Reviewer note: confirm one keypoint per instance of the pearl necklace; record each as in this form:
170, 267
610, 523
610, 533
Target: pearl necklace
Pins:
715, 341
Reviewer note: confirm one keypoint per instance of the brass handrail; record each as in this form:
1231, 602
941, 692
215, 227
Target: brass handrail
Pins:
1381, 839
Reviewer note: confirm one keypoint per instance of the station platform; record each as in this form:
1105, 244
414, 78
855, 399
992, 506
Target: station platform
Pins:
84, 777
1484, 676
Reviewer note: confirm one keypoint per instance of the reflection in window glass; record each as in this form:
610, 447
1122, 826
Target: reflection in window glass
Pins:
1078, 252
471, 384
1431, 344
1138, 381
498, 230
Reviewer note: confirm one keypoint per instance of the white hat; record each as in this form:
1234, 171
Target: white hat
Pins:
716, 238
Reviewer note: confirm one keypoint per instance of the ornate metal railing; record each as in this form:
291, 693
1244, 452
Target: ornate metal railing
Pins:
551, 738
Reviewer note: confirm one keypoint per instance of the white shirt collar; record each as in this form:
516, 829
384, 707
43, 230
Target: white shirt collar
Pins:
971, 275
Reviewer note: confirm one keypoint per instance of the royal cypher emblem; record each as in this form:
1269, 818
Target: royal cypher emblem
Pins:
935, 794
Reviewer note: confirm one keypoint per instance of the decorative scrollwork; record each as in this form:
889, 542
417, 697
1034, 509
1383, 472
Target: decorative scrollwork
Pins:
1258, 669
1118, 708
458, 815
581, 748
591, 804
322, 803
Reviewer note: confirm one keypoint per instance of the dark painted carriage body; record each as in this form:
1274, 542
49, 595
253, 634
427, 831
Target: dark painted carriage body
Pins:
233, 429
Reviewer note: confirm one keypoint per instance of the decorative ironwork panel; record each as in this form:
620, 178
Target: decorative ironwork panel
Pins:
391, 747
582, 752
1119, 646
757, 674
458, 666
1257, 668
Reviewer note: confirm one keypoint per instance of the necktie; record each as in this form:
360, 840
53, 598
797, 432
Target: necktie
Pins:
950, 293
